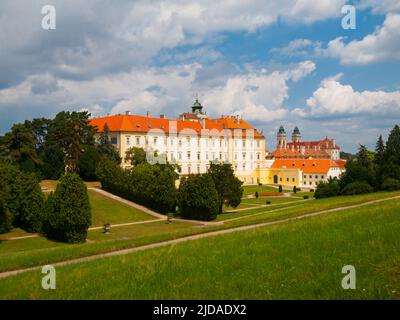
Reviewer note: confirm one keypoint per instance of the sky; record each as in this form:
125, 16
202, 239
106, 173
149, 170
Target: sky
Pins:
284, 62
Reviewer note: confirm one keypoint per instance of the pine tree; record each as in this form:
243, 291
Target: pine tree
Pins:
379, 161
392, 155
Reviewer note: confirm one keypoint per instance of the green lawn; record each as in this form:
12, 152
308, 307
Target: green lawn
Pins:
247, 190
38, 251
294, 260
106, 210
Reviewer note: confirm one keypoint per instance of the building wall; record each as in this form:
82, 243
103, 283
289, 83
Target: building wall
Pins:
194, 153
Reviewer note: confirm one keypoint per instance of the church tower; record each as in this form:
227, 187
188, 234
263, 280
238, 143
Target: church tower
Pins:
296, 135
281, 138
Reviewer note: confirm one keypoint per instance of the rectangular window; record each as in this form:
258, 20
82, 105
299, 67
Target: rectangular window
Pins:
198, 155
128, 140
114, 140
137, 140
188, 155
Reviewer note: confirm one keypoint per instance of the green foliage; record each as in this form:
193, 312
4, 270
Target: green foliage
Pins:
150, 185
228, 186
256, 194
68, 212
390, 184
358, 187
327, 189
21, 197
135, 156
294, 189
30, 203
72, 132
280, 189
88, 162
5, 218
305, 197
105, 147
198, 198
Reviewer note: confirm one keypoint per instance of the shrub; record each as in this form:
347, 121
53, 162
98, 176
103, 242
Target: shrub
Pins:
280, 188
31, 203
305, 197
198, 199
256, 195
358, 187
68, 213
22, 199
149, 185
311, 190
390, 184
294, 189
327, 189
267, 202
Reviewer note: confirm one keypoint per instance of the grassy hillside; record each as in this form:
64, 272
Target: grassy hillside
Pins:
293, 260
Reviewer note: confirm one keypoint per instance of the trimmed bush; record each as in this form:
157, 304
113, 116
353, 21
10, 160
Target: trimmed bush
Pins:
358, 187
256, 194
294, 189
268, 202
305, 197
390, 184
198, 199
68, 213
280, 189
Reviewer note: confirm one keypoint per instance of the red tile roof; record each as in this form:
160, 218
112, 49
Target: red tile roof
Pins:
306, 165
134, 123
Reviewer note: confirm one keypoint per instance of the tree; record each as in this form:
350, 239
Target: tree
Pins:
294, 189
68, 212
21, 145
326, 189
379, 161
88, 162
198, 198
359, 169
135, 156
21, 197
228, 186
5, 218
392, 155
71, 131
30, 203
106, 148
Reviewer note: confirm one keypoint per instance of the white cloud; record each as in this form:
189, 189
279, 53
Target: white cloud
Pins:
383, 44
297, 47
256, 96
335, 99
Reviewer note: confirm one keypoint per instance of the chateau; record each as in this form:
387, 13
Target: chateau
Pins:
303, 163
193, 140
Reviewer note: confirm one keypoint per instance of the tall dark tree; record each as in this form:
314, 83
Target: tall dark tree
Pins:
392, 155
228, 186
21, 145
71, 130
106, 148
379, 161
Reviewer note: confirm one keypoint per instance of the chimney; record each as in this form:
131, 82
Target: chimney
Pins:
148, 114
162, 116
127, 112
